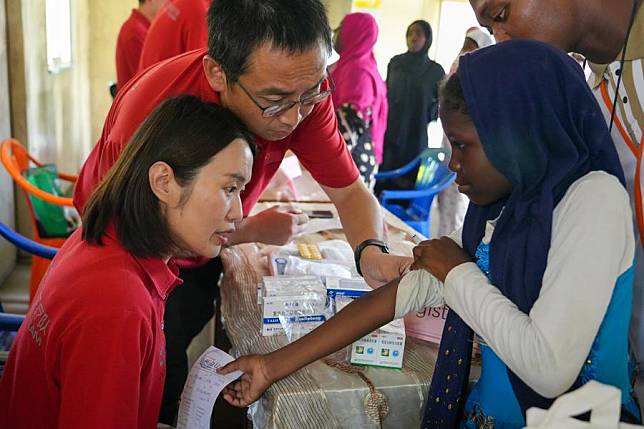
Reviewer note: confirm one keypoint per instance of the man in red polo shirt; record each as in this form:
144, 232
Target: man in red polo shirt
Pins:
266, 61
130, 39
181, 26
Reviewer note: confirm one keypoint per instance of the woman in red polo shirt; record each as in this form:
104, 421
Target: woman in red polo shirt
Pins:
91, 352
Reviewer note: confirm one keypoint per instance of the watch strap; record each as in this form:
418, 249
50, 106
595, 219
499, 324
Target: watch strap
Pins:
357, 254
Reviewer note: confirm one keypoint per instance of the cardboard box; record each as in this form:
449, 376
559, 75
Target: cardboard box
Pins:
427, 324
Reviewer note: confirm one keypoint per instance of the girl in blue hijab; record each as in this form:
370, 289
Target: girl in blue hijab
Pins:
551, 280
542, 270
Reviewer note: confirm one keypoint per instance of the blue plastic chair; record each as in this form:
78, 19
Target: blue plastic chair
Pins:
30, 246
11, 322
433, 176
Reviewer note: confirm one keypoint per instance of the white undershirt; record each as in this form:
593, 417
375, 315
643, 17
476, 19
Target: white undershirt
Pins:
592, 245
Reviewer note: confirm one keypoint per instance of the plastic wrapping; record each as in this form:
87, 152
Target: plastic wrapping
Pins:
284, 264
302, 299
296, 326
297, 321
337, 261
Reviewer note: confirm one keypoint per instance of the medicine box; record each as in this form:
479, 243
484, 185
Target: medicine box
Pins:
293, 296
385, 347
351, 288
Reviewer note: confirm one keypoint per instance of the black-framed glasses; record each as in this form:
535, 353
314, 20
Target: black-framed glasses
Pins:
277, 109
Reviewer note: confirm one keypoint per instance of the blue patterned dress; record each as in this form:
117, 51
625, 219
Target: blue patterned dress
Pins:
492, 402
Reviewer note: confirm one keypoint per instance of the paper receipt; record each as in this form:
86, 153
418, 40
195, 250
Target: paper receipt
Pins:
202, 388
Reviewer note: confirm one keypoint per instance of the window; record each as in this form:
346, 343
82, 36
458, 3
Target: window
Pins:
455, 19
59, 35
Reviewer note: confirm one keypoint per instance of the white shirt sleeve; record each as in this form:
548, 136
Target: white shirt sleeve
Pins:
592, 245
419, 289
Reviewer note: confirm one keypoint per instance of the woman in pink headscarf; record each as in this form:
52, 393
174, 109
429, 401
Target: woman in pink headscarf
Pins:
360, 95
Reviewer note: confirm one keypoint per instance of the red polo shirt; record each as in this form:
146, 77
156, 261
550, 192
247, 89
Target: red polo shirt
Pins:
316, 141
129, 45
91, 352
180, 26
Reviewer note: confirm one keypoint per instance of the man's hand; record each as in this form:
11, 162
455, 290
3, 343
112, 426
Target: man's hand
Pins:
251, 385
379, 268
439, 257
276, 225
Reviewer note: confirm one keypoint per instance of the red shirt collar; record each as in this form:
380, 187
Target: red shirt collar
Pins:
164, 276
138, 16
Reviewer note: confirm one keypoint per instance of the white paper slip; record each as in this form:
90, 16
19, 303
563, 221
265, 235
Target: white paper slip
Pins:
202, 388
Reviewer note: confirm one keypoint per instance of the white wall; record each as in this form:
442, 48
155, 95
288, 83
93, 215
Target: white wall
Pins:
456, 16
106, 18
7, 208
393, 20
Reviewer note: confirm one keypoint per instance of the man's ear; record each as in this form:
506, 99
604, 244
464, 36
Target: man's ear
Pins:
215, 74
163, 184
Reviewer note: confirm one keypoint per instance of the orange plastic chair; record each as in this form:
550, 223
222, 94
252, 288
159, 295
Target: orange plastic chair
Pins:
16, 160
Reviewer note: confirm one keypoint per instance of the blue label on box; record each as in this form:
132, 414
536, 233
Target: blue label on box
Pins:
332, 293
276, 320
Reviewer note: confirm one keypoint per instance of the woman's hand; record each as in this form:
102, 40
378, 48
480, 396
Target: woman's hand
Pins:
380, 268
251, 385
439, 257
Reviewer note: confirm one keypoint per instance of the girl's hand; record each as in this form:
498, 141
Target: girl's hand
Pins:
251, 385
439, 257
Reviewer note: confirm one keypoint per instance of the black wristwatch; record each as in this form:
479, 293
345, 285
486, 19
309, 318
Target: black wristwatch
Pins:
357, 254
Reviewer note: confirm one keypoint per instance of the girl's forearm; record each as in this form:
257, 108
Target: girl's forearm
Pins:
356, 320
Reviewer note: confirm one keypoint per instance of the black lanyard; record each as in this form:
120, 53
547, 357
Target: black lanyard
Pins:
620, 72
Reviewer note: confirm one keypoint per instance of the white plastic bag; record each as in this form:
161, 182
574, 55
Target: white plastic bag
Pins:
603, 402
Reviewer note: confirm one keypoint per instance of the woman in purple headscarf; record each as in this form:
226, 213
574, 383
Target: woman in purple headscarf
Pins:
360, 95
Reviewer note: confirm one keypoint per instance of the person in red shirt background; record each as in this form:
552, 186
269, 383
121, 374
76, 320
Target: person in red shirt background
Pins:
273, 76
131, 37
180, 26
91, 352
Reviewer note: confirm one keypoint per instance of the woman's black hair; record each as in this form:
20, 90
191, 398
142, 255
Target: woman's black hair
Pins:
183, 132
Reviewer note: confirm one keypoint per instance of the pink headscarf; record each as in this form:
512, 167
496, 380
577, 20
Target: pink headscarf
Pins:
356, 77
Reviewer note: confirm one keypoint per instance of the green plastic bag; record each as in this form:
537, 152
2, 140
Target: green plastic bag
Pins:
50, 217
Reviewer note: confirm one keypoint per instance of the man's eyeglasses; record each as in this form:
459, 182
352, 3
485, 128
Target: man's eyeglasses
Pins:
277, 109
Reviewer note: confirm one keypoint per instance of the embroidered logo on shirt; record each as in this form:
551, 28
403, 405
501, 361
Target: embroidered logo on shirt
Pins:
173, 11
38, 323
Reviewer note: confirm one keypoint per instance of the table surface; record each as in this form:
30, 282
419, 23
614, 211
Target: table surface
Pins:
320, 396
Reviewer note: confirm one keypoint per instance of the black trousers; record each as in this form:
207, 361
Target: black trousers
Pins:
188, 308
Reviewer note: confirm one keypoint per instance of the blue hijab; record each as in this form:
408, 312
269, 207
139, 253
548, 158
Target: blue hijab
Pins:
541, 127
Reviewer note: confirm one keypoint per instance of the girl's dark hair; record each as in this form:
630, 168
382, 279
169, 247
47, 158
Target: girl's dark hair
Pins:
237, 27
451, 95
183, 132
